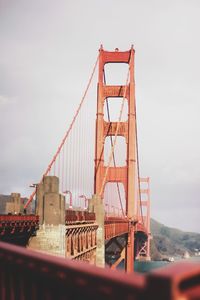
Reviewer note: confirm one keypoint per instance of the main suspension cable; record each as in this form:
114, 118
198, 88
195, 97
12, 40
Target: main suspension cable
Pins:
138, 165
67, 133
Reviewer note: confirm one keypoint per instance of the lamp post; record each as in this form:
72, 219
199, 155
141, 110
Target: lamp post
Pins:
33, 185
86, 200
70, 197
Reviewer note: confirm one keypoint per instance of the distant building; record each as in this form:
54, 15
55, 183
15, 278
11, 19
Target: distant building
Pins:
6, 199
186, 255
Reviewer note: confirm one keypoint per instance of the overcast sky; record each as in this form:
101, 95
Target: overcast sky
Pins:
47, 50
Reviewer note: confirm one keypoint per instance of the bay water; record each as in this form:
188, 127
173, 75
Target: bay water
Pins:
148, 266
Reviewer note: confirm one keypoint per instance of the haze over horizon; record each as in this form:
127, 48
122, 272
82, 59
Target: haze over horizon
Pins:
47, 52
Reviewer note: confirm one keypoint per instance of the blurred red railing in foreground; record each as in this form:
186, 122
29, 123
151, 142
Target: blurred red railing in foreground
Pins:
29, 275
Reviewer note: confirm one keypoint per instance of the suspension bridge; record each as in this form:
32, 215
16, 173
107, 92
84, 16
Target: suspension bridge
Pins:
91, 204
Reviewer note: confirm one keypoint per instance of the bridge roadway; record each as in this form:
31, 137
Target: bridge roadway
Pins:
114, 225
22, 224
17, 229
81, 230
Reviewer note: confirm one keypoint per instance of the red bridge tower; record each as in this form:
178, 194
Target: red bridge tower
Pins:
127, 173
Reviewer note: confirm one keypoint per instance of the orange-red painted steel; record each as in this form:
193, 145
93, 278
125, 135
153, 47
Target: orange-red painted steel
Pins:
11, 224
143, 217
125, 174
74, 216
29, 275
65, 136
19, 218
178, 281
115, 227
81, 230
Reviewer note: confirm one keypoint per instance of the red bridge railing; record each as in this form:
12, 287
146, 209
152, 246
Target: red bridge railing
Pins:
115, 226
12, 224
29, 275
18, 218
73, 216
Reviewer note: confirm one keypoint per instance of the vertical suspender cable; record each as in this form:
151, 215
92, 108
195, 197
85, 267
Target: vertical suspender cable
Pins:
67, 133
63, 168
138, 166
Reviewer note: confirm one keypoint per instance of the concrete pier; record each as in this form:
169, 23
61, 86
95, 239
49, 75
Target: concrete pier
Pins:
50, 207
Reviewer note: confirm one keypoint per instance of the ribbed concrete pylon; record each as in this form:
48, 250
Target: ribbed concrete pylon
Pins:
124, 174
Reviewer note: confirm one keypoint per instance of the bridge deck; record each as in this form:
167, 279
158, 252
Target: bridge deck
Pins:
15, 224
17, 229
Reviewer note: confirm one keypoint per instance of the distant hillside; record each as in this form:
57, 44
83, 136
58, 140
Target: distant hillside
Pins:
172, 242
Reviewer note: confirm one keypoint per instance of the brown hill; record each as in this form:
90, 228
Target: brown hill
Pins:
171, 241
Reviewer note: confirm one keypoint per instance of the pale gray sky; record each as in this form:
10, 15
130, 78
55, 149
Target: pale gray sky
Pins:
47, 49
